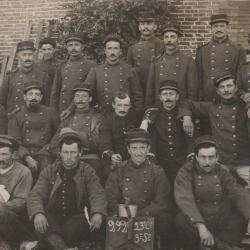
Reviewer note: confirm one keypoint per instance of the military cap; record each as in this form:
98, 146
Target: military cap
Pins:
68, 133
219, 18
168, 84
75, 37
25, 45
146, 16
204, 140
173, 28
47, 40
222, 77
82, 87
137, 135
33, 84
8, 141
113, 37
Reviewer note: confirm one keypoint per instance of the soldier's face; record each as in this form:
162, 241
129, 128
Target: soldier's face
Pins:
6, 157
33, 98
169, 98
170, 39
25, 58
227, 89
121, 106
113, 52
147, 29
82, 99
207, 158
138, 152
74, 48
219, 30
70, 155
47, 51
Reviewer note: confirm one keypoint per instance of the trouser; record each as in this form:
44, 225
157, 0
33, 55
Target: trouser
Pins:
227, 232
69, 231
13, 228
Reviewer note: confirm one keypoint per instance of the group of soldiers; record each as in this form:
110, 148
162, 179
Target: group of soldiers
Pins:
162, 131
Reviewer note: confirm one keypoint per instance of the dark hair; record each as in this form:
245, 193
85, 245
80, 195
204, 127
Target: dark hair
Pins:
12, 148
47, 40
120, 95
70, 140
204, 145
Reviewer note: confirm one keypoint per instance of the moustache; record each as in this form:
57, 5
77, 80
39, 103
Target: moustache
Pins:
34, 101
122, 112
28, 61
168, 101
217, 32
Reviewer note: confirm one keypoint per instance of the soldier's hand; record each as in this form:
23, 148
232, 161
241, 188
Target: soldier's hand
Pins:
206, 237
246, 97
188, 125
65, 114
40, 223
144, 124
116, 158
32, 164
95, 222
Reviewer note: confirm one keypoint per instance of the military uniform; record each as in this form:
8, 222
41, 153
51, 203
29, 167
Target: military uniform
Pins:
214, 58
141, 54
33, 128
213, 199
179, 67
105, 80
11, 92
243, 80
169, 142
68, 74
113, 133
230, 127
145, 186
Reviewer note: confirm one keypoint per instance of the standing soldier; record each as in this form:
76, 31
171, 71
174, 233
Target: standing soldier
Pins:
112, 76
48, 61
11, 92
69, 73
33, 126
146, 49
217, 56
172, 65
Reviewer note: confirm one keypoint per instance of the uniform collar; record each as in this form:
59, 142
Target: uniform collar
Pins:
226, 39
27, 70
174, 53
75, 59
80, 111
149, 39
133, 165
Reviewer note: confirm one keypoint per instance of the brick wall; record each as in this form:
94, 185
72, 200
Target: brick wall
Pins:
193, 16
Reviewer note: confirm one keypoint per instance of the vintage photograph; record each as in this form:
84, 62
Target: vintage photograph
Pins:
124, 124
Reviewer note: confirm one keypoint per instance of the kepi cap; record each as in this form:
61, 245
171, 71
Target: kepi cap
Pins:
75, 37
113, 37
47, 40
204, 140
218, 18
137, 135
168, 84
25, 45
68, 133
82, 87
146, 16
9, 141
34, 84
173, 28
222, 77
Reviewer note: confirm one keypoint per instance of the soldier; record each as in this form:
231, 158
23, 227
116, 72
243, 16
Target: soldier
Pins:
86, 122
172, 65
142, 183
69, 73
57, 202
112, 76
169, 142
11, 92
230, 124
217, 56
48, 62
141, 53
15, 185
214, 210
33, 126
113, 131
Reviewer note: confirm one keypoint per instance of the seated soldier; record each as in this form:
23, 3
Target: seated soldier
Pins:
57, 202
85, 121
169, 143
15, 185
142, 183
214, 208
230, 125
113, 131
33, 126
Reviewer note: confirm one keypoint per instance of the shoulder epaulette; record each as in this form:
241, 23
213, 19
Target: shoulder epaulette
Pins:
13, 112
151, 113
